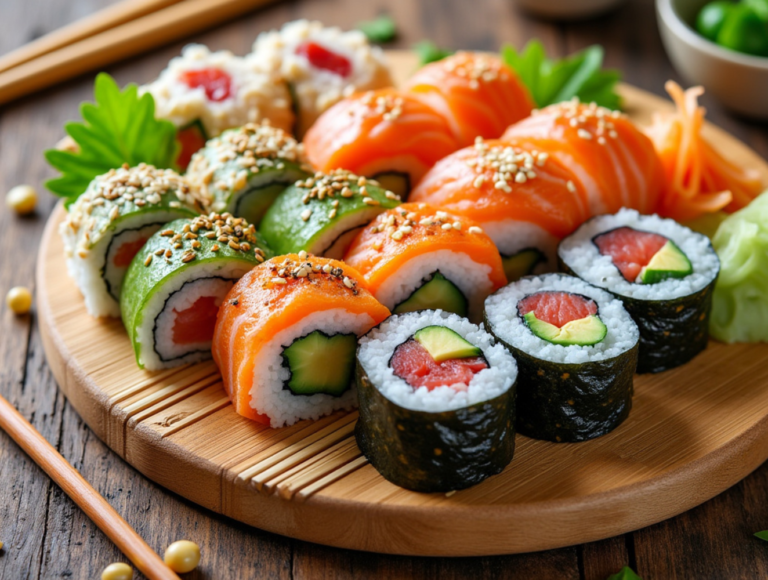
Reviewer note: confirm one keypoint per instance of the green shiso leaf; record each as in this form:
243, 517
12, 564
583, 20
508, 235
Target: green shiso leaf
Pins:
428, 52
380, 30
626, 573
119, 128
553, 81
762, 535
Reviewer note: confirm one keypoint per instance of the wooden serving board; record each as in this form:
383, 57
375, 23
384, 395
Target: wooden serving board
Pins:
693, 432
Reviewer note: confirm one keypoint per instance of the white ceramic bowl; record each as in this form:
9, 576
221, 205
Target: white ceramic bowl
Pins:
739, 81
567, 9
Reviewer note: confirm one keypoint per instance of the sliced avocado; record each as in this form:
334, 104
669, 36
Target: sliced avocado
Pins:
668, 262
320, 363
437, 293
397, 182
582, 332
445, 344
522, 263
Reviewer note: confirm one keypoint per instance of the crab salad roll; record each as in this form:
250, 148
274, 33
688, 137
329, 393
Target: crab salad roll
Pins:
576, 348
437, 401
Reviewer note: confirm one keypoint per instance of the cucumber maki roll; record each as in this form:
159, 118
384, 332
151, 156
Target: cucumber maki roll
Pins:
322, 214
176, 283
243, 170
110, 222
437, 401
663, 272
576, 347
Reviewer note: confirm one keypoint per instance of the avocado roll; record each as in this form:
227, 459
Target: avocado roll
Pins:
576, 347
176, 283
322, 214
244, 170
663, 272
286, 337
437, 401
416, 257
110, 222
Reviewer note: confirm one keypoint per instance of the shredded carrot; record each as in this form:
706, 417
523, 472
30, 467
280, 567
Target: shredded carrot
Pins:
699, 180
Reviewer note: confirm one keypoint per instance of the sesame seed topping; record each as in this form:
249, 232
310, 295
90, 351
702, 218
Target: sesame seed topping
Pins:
306, 214
475, 230
148, 261
571, 186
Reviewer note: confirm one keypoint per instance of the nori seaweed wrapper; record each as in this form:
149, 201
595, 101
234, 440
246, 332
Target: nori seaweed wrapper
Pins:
434, 452
672, 332
572, 402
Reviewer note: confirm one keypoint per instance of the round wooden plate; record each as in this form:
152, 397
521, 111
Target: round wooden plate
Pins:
692, 433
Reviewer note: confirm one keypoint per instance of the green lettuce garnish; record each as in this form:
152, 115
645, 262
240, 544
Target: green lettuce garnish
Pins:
380, 30
119, 128
428, 52
553, 81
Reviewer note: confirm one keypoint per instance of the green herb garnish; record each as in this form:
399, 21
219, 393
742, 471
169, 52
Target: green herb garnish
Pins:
553, 81
428, 52
119, 128
626, 573
762, 535
380, 30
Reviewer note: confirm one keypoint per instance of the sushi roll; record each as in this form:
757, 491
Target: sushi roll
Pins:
386, 135
523, 199
664, 274
243, 170
437, 402
323, 214
176, 283
321, 64
613, 161
204, 93
286, 337
110, 222
415, 257
476, 93
576, 348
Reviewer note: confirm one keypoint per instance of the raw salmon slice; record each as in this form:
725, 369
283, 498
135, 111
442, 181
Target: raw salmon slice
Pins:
412, 363
630, 249
196, 323
557, 308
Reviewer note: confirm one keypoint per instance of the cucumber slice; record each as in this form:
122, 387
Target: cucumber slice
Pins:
436, 293
668, 262
522, 263
395, 181
582, 332
445, 344
253, 204
320, 363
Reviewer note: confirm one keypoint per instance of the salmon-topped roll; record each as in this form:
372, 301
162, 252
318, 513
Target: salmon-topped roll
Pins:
613, 161
387, 135
476, 92
286, 336
416, 257
524, 200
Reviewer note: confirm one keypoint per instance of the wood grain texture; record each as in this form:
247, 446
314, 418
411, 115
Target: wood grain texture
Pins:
692, 433
47, 537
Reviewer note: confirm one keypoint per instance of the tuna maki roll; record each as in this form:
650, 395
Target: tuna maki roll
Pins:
437, 401
176, 283
664, 274
245, 169
110, 222
322, 214
415, 257
286, 337
576, 347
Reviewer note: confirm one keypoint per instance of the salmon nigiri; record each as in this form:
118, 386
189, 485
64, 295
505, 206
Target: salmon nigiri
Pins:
523, 199
476, 92
417, 257
389, 136
286, 336
614, 162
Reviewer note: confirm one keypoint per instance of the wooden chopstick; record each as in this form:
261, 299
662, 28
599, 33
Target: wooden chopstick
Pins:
100, 21
81, 492
150, 31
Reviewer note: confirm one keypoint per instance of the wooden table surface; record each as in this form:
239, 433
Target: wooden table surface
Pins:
46, 536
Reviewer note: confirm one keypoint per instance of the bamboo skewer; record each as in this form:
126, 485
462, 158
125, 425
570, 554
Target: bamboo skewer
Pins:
150, 31
81, 492
102, 20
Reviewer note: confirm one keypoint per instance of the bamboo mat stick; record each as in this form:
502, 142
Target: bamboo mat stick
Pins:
145, 33
100, 21
81, 492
